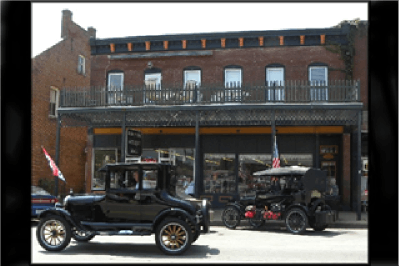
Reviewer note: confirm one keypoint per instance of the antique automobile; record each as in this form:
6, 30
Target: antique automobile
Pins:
294, 194
139, 200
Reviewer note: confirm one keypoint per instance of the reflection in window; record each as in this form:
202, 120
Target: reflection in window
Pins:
101, 157
219, 173
248, 164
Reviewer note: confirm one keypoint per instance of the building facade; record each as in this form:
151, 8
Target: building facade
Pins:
214, 104
66, 64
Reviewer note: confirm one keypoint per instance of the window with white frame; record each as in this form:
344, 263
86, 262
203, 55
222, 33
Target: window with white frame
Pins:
192, 80
54, 98
233, 77
81, 64
318, 77
153, 86
275, 82
115, 87
233, 81
192, 77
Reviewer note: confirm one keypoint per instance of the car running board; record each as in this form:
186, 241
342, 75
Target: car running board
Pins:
135, 227
123, 233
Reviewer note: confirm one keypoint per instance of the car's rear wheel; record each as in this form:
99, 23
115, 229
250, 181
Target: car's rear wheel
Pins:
296, 221
319, 227
231, 217
83, 236
173, 236
53, 233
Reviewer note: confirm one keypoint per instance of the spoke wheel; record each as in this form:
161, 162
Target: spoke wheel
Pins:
173, 236
83, 236
53, 233
231, 217
256, 222
316, 227
296, 221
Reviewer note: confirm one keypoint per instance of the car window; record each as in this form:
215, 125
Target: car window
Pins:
150, 179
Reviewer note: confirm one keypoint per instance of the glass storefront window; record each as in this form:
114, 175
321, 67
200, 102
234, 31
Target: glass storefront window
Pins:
248, 164
219, 173
183, 160
101, 157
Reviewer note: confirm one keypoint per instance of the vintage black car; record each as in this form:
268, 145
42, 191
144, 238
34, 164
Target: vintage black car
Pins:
139, 199
294, 194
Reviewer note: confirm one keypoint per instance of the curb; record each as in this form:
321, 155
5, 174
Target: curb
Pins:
353, 225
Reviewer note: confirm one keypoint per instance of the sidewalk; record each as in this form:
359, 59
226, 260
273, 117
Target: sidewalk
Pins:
344, 220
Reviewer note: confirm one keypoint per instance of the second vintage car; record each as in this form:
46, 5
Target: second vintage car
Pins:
294, 194
139, 199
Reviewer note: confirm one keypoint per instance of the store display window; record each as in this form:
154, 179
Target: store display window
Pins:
102, 157
219, 173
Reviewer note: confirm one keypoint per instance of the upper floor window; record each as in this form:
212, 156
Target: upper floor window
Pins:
54, 98
275, 78
115, 87
192, 78
81, 64
152, 78
318, 75
233, 77
115, 81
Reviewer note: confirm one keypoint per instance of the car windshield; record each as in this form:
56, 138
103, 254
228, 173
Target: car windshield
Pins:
39, 191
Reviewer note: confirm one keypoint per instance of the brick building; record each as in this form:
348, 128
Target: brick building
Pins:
66, 64
213, 105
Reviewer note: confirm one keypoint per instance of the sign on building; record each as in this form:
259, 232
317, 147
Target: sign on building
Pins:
133, 143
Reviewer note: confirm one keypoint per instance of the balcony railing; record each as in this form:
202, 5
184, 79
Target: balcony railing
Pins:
285, 92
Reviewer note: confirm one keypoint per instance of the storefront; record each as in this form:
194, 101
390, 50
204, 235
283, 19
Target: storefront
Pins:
229, 156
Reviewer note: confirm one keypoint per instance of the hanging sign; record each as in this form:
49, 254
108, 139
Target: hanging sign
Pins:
133, 143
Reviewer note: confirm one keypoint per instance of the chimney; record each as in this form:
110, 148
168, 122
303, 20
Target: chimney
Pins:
92, 32
65, 21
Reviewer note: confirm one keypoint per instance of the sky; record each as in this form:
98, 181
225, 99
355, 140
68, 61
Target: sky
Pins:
138, 19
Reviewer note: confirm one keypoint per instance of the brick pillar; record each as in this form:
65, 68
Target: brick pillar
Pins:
345, 188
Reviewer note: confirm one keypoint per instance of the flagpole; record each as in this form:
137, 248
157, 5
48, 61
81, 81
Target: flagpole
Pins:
272, 136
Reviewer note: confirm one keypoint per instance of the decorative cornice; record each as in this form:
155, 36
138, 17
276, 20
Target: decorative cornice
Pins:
212, 41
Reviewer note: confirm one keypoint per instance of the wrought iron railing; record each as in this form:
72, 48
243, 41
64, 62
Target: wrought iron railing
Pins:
163, 94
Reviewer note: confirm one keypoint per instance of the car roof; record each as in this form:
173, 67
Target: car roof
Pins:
137, 165
286, 170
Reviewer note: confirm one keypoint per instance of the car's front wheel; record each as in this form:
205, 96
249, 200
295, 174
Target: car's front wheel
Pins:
173, 236
53, 233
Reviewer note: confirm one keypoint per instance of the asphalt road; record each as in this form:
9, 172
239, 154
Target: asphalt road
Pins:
269, 244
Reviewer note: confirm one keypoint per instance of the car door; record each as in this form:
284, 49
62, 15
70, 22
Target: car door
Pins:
122, 203
150, 203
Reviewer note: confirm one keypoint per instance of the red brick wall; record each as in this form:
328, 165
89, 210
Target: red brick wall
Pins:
252, 60
361, 63
57, 67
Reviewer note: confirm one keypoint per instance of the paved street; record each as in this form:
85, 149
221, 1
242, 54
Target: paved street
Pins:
270, 244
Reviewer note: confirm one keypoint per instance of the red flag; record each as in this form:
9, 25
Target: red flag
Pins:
53, 166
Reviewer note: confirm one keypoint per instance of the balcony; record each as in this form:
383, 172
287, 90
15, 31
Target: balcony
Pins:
289, 92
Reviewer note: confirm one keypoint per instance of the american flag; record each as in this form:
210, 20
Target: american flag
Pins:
276, 162
53, 166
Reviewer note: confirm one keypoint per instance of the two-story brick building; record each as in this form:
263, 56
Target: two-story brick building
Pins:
65, 64
213, 104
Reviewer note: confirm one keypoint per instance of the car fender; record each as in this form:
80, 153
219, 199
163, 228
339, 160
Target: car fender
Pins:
238, 206
63, 213
298, 205
172, 212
